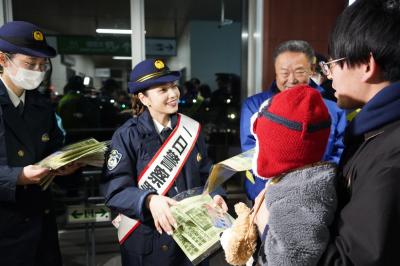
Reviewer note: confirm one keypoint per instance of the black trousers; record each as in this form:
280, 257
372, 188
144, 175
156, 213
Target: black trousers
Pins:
29, 241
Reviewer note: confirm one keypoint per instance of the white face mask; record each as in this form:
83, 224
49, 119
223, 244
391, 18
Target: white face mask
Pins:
24, 78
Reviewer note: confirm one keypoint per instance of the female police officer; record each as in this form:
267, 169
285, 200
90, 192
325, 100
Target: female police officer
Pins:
146, 166
28, 133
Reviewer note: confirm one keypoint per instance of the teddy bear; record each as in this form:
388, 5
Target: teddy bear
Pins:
239, 241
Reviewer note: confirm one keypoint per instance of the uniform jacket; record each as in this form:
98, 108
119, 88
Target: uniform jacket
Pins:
25, 211
251, 105
137, 141
301, 208
366, 231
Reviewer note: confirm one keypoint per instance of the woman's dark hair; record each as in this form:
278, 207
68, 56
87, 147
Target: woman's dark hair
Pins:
9, 55
137, 105
369, 27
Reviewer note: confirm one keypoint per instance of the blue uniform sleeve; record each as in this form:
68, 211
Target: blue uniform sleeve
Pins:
8, 175
120, 178
247, 140
335, 146
340, 129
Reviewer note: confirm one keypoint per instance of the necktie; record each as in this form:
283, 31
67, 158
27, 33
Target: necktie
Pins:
20, 107
165, 133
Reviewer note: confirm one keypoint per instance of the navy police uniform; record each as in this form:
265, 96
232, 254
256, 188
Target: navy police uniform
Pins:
132, 147
28, 230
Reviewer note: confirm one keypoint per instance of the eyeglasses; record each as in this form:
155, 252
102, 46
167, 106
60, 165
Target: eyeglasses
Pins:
43, 67
325, 66
37, 67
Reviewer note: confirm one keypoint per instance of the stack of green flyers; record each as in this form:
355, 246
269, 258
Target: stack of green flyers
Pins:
199, 225
89, 152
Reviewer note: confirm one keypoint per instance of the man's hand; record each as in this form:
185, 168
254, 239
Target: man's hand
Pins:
32, 174
159, 207
220, 202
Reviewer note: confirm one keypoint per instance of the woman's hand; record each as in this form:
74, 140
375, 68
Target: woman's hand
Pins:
159, 207
32, 174
68, 169
220, 202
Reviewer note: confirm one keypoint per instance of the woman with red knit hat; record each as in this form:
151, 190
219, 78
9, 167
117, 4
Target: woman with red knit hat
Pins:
292, 130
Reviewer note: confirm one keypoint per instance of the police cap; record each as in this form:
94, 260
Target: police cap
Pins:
24, 38
150, 72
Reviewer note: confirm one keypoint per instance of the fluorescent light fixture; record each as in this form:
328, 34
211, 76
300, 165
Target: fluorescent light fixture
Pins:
113, 31
122, 57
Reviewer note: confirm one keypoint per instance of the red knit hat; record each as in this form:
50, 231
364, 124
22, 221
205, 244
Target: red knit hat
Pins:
292, 130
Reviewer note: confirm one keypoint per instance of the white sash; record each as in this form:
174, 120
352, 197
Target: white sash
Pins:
160, 173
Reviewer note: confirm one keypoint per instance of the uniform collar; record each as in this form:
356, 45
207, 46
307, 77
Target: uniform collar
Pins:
32, 97
4, 98
13, 97
381, 110
160, 127
147, 124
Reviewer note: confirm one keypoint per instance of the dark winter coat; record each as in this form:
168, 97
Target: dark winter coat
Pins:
367, 228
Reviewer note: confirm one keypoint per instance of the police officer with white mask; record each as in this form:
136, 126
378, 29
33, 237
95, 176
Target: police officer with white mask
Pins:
28, 133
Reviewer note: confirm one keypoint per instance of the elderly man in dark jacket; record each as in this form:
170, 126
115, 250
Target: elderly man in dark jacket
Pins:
365, 69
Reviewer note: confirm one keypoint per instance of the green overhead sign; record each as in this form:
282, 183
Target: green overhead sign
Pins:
94, 45
88, 214
112, 45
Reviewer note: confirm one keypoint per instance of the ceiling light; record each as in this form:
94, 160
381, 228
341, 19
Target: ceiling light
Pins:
114, 31
122, 57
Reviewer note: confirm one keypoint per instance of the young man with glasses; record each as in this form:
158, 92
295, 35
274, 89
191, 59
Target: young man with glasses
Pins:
28, 133
365, 69
293, 61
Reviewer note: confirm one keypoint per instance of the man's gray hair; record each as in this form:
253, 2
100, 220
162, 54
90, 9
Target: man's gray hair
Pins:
297, 46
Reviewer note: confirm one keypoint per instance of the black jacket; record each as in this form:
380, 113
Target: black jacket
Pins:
28, 231
367, 227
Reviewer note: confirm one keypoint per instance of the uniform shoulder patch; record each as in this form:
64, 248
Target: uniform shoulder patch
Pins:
113, 159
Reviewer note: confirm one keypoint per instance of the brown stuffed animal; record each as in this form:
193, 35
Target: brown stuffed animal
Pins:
239, 241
